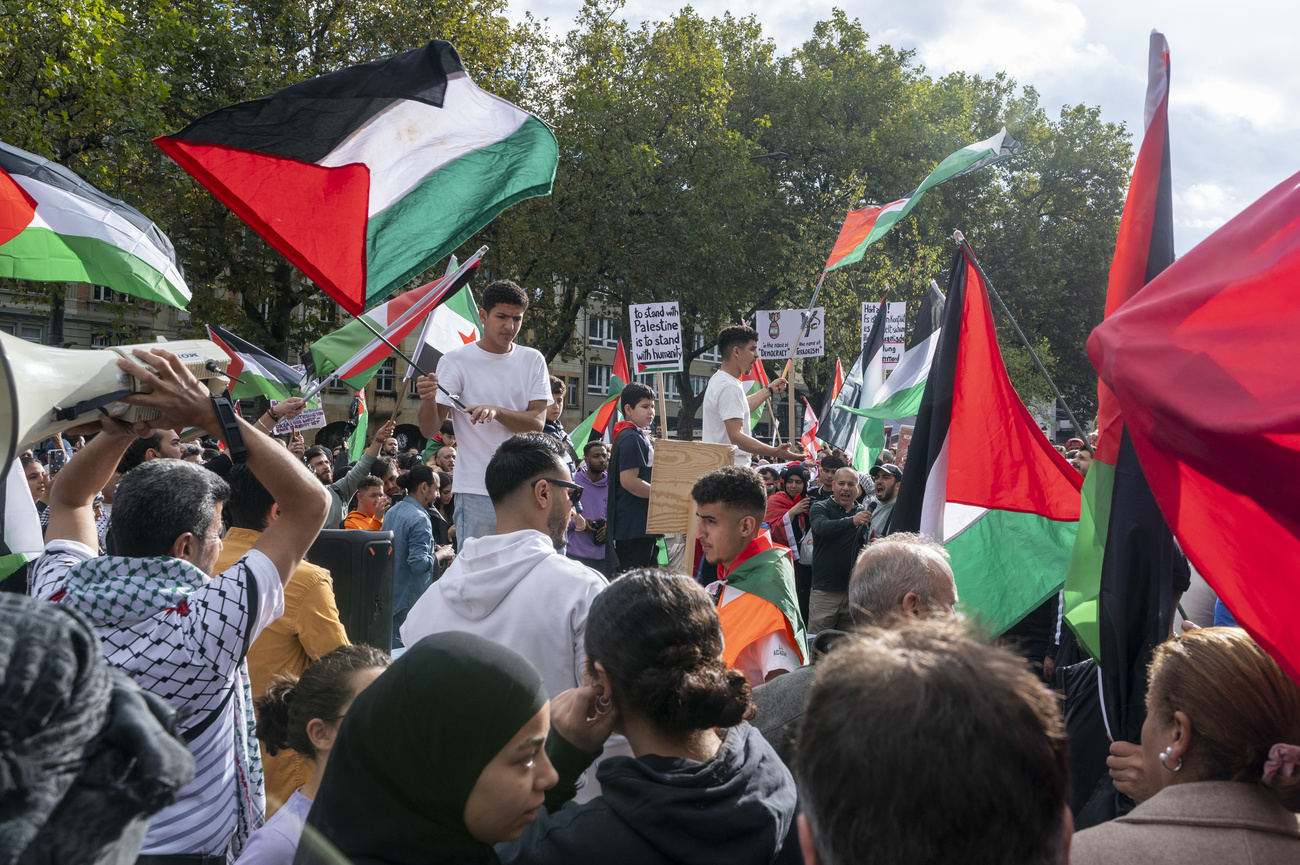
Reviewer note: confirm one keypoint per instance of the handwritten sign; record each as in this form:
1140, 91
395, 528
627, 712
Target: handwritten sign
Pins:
895, 329
656, 337
311, 418
778, 329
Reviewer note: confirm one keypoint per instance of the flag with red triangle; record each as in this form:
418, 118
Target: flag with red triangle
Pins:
809, 438
353, 353
1008, 524
600, 422
365, 177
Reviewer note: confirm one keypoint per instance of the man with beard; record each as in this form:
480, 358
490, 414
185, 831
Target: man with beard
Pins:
588, 544
889, 480
341, 491
513, 587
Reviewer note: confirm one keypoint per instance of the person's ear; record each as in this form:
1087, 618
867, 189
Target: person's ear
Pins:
185, 546
601, 681
749, 526
542, 494
1182, 736
806, 842
322, 734
911, 603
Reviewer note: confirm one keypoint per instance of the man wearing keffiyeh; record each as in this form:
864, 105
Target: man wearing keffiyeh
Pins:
164, 618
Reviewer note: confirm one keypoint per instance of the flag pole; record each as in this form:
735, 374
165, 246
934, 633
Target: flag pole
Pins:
663, 406
316, 388
361, 318
794, 349
970, 254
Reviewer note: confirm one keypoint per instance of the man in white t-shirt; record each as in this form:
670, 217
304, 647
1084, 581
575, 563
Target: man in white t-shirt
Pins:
727, 409
162, 615
505, 389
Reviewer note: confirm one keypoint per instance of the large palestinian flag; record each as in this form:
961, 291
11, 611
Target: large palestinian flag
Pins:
1118, 594
363, 178
56, 227
354, 352
1008, 520
600, 423
864, 227
1205, 365
253, 372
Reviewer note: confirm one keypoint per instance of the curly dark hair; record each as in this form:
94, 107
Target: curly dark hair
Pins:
658, 638
739, 488
324, 688
503, 291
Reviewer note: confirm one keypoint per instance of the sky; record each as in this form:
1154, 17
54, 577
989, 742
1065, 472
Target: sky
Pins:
1232, 68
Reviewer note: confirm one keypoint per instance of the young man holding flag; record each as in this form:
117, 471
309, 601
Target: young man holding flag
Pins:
505, 388
727, 411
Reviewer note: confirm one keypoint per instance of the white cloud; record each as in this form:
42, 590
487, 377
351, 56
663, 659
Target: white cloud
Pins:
1234, 95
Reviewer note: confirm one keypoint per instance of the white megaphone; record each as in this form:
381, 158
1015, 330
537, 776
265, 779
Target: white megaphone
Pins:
47, 390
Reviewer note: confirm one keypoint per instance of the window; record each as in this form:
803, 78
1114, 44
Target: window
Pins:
670, 385
384, 377
598, 378
329, 312
102, 294
264, 308
101, 340
572, 392
336, 386
711, 355
414, 392
603, 332
31, 332
699, 384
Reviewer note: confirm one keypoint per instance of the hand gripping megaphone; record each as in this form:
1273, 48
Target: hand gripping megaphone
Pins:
47, 390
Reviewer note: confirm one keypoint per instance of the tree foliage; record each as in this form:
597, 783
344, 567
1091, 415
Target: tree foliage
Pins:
671, 183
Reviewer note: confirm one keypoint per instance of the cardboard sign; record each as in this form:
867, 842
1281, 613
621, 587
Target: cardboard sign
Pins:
312, 418
777, 330
656, 337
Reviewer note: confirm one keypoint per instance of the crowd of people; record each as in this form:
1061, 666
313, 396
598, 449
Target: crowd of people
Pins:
563, 685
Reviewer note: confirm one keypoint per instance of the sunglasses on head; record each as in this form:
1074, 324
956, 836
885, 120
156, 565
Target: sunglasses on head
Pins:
575, 491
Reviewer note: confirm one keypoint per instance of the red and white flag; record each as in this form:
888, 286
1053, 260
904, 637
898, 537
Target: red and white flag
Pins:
809, 439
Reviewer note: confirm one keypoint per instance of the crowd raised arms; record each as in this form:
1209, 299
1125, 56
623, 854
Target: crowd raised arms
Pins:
566, 685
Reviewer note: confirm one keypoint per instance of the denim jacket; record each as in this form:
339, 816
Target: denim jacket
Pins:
414, 565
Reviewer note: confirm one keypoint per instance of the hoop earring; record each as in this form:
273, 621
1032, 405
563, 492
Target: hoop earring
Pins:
603, 705
1166, 754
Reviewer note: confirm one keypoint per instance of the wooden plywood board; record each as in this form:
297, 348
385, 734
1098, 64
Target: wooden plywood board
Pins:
677, 466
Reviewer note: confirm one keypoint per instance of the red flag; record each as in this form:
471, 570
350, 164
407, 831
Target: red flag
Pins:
620, 365
1205, 366
838, 381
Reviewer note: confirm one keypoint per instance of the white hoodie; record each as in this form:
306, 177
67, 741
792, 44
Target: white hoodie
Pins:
516, 590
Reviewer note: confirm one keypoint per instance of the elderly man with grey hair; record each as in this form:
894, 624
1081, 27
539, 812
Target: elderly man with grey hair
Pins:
896, 578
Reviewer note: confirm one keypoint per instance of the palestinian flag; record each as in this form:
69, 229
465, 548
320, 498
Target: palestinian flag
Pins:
600, 423
363, 178
809, 438
353, 353
1205, 366
259, 373
1008, 524
757, 378
862, 441
22, 539
1118, 590
901, 394
56, 227
360, 417
864, 227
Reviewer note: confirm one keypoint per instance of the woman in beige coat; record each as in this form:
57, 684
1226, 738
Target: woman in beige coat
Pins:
1217, 776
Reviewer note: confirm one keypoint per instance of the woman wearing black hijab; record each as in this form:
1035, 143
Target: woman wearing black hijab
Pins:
442, 757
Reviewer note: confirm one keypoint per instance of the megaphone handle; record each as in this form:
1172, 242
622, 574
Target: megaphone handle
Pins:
75, 411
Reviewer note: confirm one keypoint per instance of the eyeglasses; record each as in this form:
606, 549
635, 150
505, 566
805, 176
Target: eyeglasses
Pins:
575, 491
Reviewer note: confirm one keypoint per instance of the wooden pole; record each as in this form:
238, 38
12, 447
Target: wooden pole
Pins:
663, 406
689, 564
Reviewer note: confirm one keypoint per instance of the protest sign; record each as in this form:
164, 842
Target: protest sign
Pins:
656, 337
904, 442
869, 310
895, 334
777, 330
313, 417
